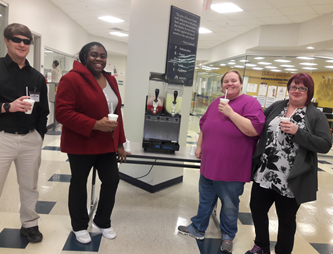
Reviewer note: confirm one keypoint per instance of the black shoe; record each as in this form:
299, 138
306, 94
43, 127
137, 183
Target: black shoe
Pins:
33, 234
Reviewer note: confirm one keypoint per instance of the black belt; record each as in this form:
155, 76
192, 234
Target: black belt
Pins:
18, 132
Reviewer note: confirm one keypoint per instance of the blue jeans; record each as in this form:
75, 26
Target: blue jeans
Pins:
229, 193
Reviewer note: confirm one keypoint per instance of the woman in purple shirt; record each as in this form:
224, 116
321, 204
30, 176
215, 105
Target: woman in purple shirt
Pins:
228, 136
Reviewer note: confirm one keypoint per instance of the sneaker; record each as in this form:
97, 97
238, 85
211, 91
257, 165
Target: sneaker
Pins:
191, 231
107, 232
256, 250
226, 245
82, 236
33, 235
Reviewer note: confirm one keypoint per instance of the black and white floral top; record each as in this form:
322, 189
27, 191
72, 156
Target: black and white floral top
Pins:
279, 155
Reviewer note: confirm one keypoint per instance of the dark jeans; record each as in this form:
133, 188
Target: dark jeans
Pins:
286, 209
229, 193
107, 169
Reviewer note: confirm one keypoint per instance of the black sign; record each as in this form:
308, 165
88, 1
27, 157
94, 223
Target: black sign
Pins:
182, 45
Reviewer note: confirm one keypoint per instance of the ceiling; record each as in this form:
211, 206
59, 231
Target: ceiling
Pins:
223, 26
291, 64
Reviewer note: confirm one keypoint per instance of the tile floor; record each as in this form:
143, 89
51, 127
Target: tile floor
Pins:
147, 222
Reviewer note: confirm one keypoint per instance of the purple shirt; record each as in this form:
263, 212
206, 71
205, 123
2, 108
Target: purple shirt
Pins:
226, 151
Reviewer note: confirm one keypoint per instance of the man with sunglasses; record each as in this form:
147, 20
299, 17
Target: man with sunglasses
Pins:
21, 133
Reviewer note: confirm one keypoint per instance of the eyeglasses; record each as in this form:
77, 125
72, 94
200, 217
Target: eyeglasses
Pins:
301, 88
19, 40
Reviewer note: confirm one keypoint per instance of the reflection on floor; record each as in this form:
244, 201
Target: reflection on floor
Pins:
147, 222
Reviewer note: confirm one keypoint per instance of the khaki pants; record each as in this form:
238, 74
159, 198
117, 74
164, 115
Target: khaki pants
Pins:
25, 151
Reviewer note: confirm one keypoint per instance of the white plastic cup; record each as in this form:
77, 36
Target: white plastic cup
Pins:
192, 149
286, 119
32, 102
127, 146
224, 100
113, 117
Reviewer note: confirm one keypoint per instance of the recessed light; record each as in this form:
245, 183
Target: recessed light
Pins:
111, 19
287, 65
222, 64
310, 47
291, 69
330, 66
225, 8
203, 30
259, 58
265, 63
249, 64
276, 70
231, 63
243, 60
211, 65
282, 60
309, 68
118, 34
329, 61
309, 64
239, 66
270, 67
257, 68
305, 57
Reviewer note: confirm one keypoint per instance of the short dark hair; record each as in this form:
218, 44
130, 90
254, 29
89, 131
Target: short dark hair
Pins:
307, 81
17, 29
56, 63
85, 50
234, 71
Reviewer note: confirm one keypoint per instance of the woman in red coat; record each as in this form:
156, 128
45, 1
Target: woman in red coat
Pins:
85, 97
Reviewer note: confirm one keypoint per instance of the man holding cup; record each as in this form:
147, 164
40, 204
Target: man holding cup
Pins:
24, 110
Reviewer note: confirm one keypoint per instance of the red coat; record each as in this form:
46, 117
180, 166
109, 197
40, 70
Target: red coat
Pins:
80, 102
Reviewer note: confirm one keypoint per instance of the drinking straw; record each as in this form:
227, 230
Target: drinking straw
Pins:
111, 108
26, 91
226, 92
293, 113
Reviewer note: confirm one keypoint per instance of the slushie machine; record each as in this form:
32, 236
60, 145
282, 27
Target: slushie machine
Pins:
162, 114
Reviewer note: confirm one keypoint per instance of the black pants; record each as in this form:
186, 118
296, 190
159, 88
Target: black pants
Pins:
107, 168
286, 209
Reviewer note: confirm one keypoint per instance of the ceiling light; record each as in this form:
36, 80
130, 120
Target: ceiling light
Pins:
282, 60
309, 64
249, 64
48, 51
232, 60
222, 64
111, 19
203, 30
305, 57
310, 47
287, 65
225, 8
239, 66
259, 58
330, 66
231, 63
329, 61
243, 60
270, 67
265, 63
118, 34
276, 70
291, 69
309, 68
257, 68
211, 65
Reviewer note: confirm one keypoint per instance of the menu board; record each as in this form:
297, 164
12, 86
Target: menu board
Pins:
182, 45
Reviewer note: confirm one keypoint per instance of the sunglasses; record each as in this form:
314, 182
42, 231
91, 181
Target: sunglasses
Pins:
19, 40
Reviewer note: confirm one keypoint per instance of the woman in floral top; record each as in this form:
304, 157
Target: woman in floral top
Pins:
285, 163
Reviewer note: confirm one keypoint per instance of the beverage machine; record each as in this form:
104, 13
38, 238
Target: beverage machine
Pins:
162, 114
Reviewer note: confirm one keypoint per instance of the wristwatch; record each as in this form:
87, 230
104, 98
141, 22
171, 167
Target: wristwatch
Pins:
6, 107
